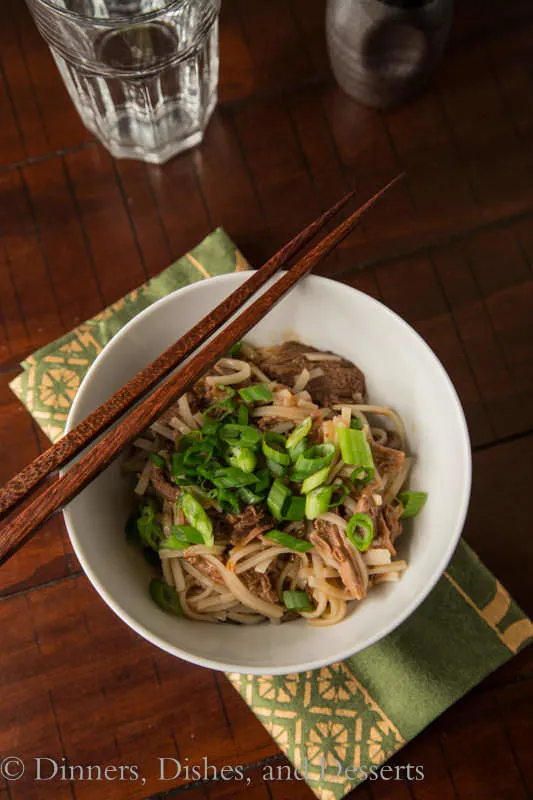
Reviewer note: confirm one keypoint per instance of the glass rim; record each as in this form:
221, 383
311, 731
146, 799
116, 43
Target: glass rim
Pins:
111, 21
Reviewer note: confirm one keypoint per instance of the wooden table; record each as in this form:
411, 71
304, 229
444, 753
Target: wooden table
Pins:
451, 251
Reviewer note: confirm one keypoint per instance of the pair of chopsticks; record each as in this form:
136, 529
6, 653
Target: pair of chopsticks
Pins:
63, 489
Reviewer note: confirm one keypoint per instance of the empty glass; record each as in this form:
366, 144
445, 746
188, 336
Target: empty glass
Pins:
143, 74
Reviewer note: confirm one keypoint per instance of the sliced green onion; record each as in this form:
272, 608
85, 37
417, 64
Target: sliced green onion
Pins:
151, 533
412, 502
227, 403
344, 492
242, 457
273, 446
182, 536
299, 433
199, 453
297, 450
225, 388
211, 427
356, 424
243, 415
231, 478
197, 517
360, 531
228, 501
149, 529
362, 475
291, 542
314, 480
157, 460
263, 481
278, 496
233, 351
297, 601
355, 448
295, 510
258, 393
276, 469
239, 435
248, 496
317, 501
312, 460
165, 596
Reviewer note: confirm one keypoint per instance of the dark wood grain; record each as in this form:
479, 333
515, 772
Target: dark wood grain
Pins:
21, 485
452, 252
61, 491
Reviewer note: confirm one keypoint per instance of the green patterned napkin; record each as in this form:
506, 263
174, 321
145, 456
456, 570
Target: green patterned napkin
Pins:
338, 723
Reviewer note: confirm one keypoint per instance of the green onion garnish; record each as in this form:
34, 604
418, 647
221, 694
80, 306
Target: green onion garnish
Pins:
291, 542
227, 400
412, 502
248, 496
297, 450
263, 483
239, 435
197, 517
317, 501
278, 470
356, 423
259, 393
314, 480
355, 448
277, 498
233, 351
228, 501
295, 510
149, 529
157, 460
362, 475
242, 457
299, 433
211, 427
182, 536
360, 531
343, 493
312, 460
297, 601
243, 415
274, 448
165, 596
231, 477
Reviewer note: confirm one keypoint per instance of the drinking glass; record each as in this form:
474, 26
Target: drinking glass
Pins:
143, 74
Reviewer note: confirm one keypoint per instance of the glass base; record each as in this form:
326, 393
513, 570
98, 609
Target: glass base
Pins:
132, 139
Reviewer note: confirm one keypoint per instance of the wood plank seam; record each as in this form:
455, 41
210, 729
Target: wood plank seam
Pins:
13, 110
85, 235
31, 83
39, 239
131, 223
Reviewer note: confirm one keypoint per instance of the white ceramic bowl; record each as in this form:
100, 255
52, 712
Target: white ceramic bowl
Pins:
401, 371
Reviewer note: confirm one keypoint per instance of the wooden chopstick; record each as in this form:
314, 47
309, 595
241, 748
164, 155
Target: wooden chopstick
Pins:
65, 488
22, 485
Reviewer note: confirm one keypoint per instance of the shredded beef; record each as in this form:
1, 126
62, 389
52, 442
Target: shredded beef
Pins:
387, 460
249, 524
260, 585
169, 492
203, 566
341, 381
331, 543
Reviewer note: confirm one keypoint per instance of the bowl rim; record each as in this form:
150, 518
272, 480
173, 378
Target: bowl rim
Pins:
345, 653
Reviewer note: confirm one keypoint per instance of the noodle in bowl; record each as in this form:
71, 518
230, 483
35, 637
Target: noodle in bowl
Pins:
403, 376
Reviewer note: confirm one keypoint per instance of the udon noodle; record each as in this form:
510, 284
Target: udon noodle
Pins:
272, 491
